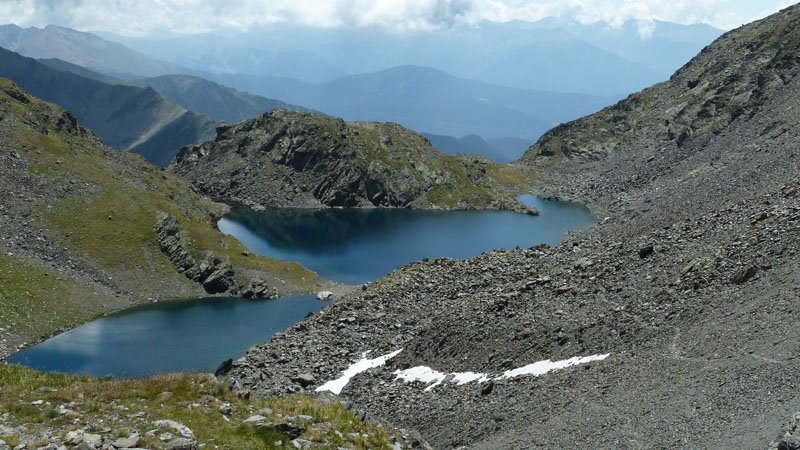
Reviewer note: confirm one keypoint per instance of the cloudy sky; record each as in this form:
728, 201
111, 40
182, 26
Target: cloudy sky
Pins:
143, 17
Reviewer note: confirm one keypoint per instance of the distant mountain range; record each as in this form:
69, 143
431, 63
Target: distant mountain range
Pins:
154, 117
193, 93
501, 150
550, 54
429, 100
398, 78
84, 49
128, 118
471, 144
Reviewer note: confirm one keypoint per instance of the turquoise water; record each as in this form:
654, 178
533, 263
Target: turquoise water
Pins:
356, 245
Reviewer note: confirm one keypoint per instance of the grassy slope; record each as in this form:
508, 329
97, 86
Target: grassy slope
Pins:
108, 224
197, 401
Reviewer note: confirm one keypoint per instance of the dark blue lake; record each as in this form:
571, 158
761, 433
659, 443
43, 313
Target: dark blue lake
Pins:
345, 245
361, 245
163, 337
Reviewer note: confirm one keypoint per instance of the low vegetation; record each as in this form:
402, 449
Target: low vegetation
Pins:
55, 404
78, 223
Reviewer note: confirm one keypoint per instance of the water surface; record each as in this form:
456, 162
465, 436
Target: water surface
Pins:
346, 245
176, 336
361, 245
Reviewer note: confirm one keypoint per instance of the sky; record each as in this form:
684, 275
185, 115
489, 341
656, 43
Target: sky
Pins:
146, 17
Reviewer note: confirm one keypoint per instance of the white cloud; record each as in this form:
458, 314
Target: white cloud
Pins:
189, 16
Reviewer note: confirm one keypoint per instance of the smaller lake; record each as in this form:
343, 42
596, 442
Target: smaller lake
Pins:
360, 245
176, 336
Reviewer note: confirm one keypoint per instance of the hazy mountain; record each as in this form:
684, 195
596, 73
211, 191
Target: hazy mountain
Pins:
562, 62
511, 148
125, 117
551, 54
84, 49
661, 46
471, 144
212, 99
64, 66
193, 93
426, 99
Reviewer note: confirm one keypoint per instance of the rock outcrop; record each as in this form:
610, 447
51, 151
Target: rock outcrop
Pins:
290, 159
215, 274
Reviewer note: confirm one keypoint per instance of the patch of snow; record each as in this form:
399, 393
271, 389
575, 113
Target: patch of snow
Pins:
542, 367
325, 295
423, 374
356, 368
433, 378
469, 377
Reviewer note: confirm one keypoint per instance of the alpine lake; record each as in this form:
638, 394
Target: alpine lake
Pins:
350, 246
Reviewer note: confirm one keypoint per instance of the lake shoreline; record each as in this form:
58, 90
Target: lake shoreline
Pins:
338, 288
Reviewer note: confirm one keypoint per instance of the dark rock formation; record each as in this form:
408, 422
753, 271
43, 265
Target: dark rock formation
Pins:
173, 242
306, 160
214, 273
257, 288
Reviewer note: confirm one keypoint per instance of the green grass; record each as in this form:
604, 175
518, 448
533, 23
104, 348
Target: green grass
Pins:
111, 222
467, 187
36, 302
193, 400
500, 183
103, 210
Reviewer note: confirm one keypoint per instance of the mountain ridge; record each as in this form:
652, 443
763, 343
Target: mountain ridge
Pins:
191, 92
429, 100
627, 58
83, 49
126, 117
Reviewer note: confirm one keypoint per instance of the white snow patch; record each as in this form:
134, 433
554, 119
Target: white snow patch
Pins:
356, 368
469, 377
542, 367
423, 374
433, 378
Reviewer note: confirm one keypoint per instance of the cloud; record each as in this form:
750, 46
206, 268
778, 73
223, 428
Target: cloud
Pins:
142, 17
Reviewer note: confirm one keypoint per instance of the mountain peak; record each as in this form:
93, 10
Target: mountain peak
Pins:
730, 80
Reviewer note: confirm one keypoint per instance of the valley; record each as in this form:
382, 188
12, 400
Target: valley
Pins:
629, 281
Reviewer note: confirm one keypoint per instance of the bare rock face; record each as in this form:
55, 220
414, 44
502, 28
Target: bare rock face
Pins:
258, 288
290, 159
173, 242
214, 273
